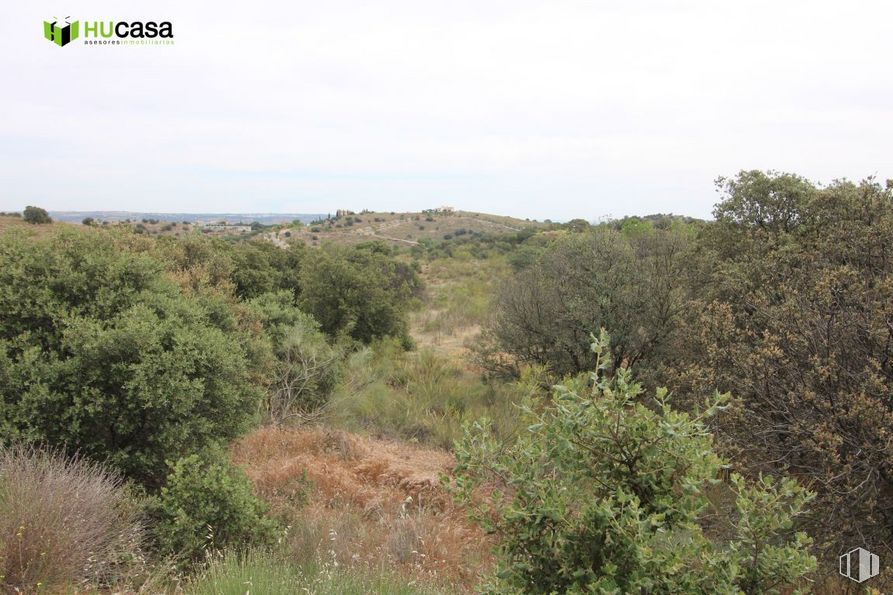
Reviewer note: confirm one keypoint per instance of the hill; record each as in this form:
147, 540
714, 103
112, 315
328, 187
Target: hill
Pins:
407, 229
198, 218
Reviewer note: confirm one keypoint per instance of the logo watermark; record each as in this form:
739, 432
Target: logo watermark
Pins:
109, 32
859, 565
61, 33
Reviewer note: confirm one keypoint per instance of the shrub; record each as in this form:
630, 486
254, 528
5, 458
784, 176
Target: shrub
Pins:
307, 366
100, 352
605, 493
36, 215
208, 505
797, 323
361, 292
64, 522
259, 267
638, 287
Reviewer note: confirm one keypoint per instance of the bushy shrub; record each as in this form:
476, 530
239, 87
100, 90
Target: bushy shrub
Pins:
797, 324
605, 493
637, 287
307, 365
260, 266
100, 352
65, 523
208, 505
362, 292
36, 215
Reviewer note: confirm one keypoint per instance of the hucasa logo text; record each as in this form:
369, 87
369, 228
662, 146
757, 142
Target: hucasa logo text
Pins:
109, 32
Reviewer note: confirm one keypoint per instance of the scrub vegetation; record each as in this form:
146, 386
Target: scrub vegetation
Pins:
440, 402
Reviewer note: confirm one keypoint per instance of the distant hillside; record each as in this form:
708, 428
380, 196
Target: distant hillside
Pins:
406, 229
115, 216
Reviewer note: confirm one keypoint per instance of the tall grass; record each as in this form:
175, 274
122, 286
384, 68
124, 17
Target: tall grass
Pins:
460, 290
422, 396
265, 573
65, 523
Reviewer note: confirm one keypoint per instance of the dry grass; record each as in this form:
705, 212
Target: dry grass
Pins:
64, 522
459, 291
360, 502
18, 224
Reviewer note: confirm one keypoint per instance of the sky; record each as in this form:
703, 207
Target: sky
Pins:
551, 109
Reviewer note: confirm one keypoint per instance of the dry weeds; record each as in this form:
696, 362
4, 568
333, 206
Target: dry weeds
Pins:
358, 501
63, 522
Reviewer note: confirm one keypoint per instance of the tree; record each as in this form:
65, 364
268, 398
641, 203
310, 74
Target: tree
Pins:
607, 493
361, 292
36, 215
637, 287
100, 353
798, 324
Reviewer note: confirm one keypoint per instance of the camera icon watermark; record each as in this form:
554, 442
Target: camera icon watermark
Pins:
859, 565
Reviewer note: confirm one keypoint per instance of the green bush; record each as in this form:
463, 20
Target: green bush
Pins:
101, 353
307, 365
36, 215
638, 287
605, 493
361, 292
208, 505
797, 323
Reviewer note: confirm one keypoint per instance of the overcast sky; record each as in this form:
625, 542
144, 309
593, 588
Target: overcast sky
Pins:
552, 109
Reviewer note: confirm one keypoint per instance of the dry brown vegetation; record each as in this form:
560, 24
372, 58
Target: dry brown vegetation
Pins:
360, 501
63, 522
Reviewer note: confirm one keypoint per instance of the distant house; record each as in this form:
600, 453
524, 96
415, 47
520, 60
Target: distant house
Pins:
445, 210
